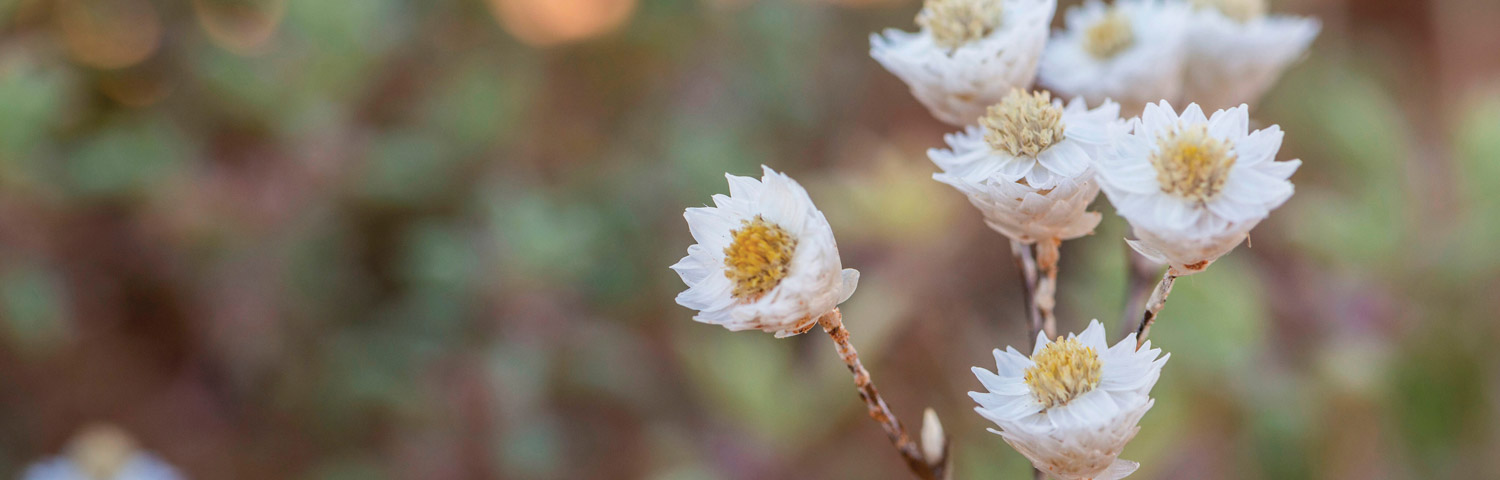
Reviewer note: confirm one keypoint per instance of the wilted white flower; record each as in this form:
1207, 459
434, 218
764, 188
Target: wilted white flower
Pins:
1235, 51
1072, 406
765, 259
1192, 187
1130, 52
968, 53
1028, 166
102, 452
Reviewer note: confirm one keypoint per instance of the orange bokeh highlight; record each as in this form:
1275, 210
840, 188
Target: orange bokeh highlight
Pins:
552, 22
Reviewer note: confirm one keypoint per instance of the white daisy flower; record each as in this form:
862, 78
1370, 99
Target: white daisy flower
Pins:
1028, 165
102, 452
1072, 406
1235, 51
1192, 187
1131, 52
968, 53
765, 259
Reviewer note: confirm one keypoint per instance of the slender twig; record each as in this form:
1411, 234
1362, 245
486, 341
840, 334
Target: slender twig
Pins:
1036, 322
1047, 255
1026, 266
1154, 305
1139, 271
833, 323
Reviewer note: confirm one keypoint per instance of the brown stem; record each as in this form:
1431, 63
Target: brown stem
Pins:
1047, 255
833, 323
1039, 319
1026, 265
1139, 271
1154, 305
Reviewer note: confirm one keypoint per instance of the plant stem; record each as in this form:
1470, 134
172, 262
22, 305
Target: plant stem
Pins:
1138, 273
1154, 305
833, 323
1040, 294
1026, 265
1047, 255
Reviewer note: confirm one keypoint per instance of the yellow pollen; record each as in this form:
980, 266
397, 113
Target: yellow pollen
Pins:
1241, 10
954, 23
1109, 36
1023, 124
1064, 370
1191, 164
757, 259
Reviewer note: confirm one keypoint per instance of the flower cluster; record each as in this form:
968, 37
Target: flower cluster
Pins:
1217, 53
1190, 185
968, 54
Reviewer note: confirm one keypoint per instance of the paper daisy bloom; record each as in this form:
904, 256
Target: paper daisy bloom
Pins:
1028, 165
765, 259
1130, 52
968, 53
1235, 52
1073, 404
1192, 187
102, 452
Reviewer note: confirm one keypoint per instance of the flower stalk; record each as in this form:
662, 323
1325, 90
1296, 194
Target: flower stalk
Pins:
833, 324
1139, 271
1047, 255
1154, 305
1026, 265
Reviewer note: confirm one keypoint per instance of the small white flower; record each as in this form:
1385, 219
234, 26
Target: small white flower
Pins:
1235, 52
1192, 187
1072, 406
102, 452
968, 53
1028, 166
1130, 52
765, 259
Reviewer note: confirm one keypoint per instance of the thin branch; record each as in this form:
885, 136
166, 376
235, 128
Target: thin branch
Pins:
1047, 255
1026, 266
1139, 271
1154, 305
1038, 296
833, 323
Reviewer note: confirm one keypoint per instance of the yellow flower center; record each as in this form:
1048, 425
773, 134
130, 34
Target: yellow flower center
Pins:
954, 23
1109, 36
757, 259
1023, 124
1241, 10
1064, 370
1191, 164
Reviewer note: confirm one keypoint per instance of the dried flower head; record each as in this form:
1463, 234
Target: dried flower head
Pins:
968, 55
1192, 164
1109, 36
765, 259
1024, 124
1073, 405
1064, 370
757, 258
954, 23
1191, 186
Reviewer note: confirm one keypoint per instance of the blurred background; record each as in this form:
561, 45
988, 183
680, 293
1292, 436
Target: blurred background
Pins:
375, 239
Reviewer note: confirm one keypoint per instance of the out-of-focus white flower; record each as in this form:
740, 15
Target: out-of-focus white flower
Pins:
1130, 52
968, 53
1192, 187
1028, 166
102, 452
1073, 404
1235, 51
765, 259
